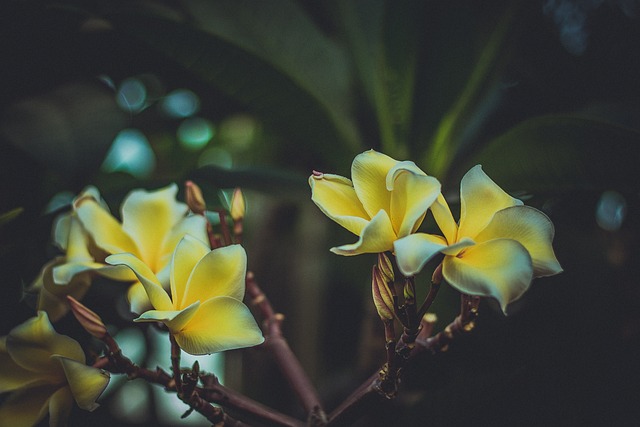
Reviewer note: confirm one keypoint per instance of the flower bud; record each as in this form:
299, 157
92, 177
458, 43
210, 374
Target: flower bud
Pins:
386, 268
382, 296
89, 320
194, 197
237, 207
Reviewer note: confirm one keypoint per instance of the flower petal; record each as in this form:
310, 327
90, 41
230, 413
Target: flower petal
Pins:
105, 230
76, 249
500, 269
61, 229
193, 225
377, 236
480, 199
52, 297
412, 194
443, 217
138, 298
221, 323
369, 174
148, 217
185, 257
221, 272
86, 382
31, 344
25, 408
60, 406
414, 251
14, 376
175, 319
157, 295
337, 199
532, 229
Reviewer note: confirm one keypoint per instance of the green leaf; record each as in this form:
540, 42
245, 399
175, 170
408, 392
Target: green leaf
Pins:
9, 216
556, 153
275, 182
270, 57
459, 123
383, 39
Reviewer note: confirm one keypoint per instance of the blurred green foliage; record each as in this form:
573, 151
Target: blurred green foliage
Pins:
448, 84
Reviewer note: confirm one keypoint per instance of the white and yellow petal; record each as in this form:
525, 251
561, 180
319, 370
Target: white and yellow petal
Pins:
14, 376
31, 344
444, 218
221, 323
157, 295
480, 199
60, 405
175, 320
412, 194
377, 236
221, 272
148, 217
192, 225
337, 199
186, 256
26, 407
533, 229
369, 174
105, 230
414, 251
500, 269
86, 382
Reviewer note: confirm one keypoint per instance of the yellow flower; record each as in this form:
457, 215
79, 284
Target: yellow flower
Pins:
496, 250
152, 225
76, 268
45, 372
205, 312
386, 201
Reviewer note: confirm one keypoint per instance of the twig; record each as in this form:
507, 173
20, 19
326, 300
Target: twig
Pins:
374, 386
175, 364
287, 361
198, 398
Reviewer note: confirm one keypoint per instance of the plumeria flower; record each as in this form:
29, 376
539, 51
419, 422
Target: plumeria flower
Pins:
45, 373
386, 200
82, 259
497, 248
153, 223
205, 312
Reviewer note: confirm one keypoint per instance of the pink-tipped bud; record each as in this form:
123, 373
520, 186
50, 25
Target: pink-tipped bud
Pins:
194, 197
382, 296
237, 207
89, 320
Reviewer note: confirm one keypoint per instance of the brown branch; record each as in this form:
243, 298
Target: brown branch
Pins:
431, 296
377, 384
215, 392
365, 395
224, 226
198, 398
288, 363
175, 363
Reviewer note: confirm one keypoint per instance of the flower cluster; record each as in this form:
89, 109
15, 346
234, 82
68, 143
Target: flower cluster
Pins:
164, 250
495, 249
45, 373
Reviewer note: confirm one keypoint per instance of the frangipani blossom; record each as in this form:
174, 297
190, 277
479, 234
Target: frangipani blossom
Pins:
45, 372
386, 200
497, 248
75, 269
205, 312
153, 223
